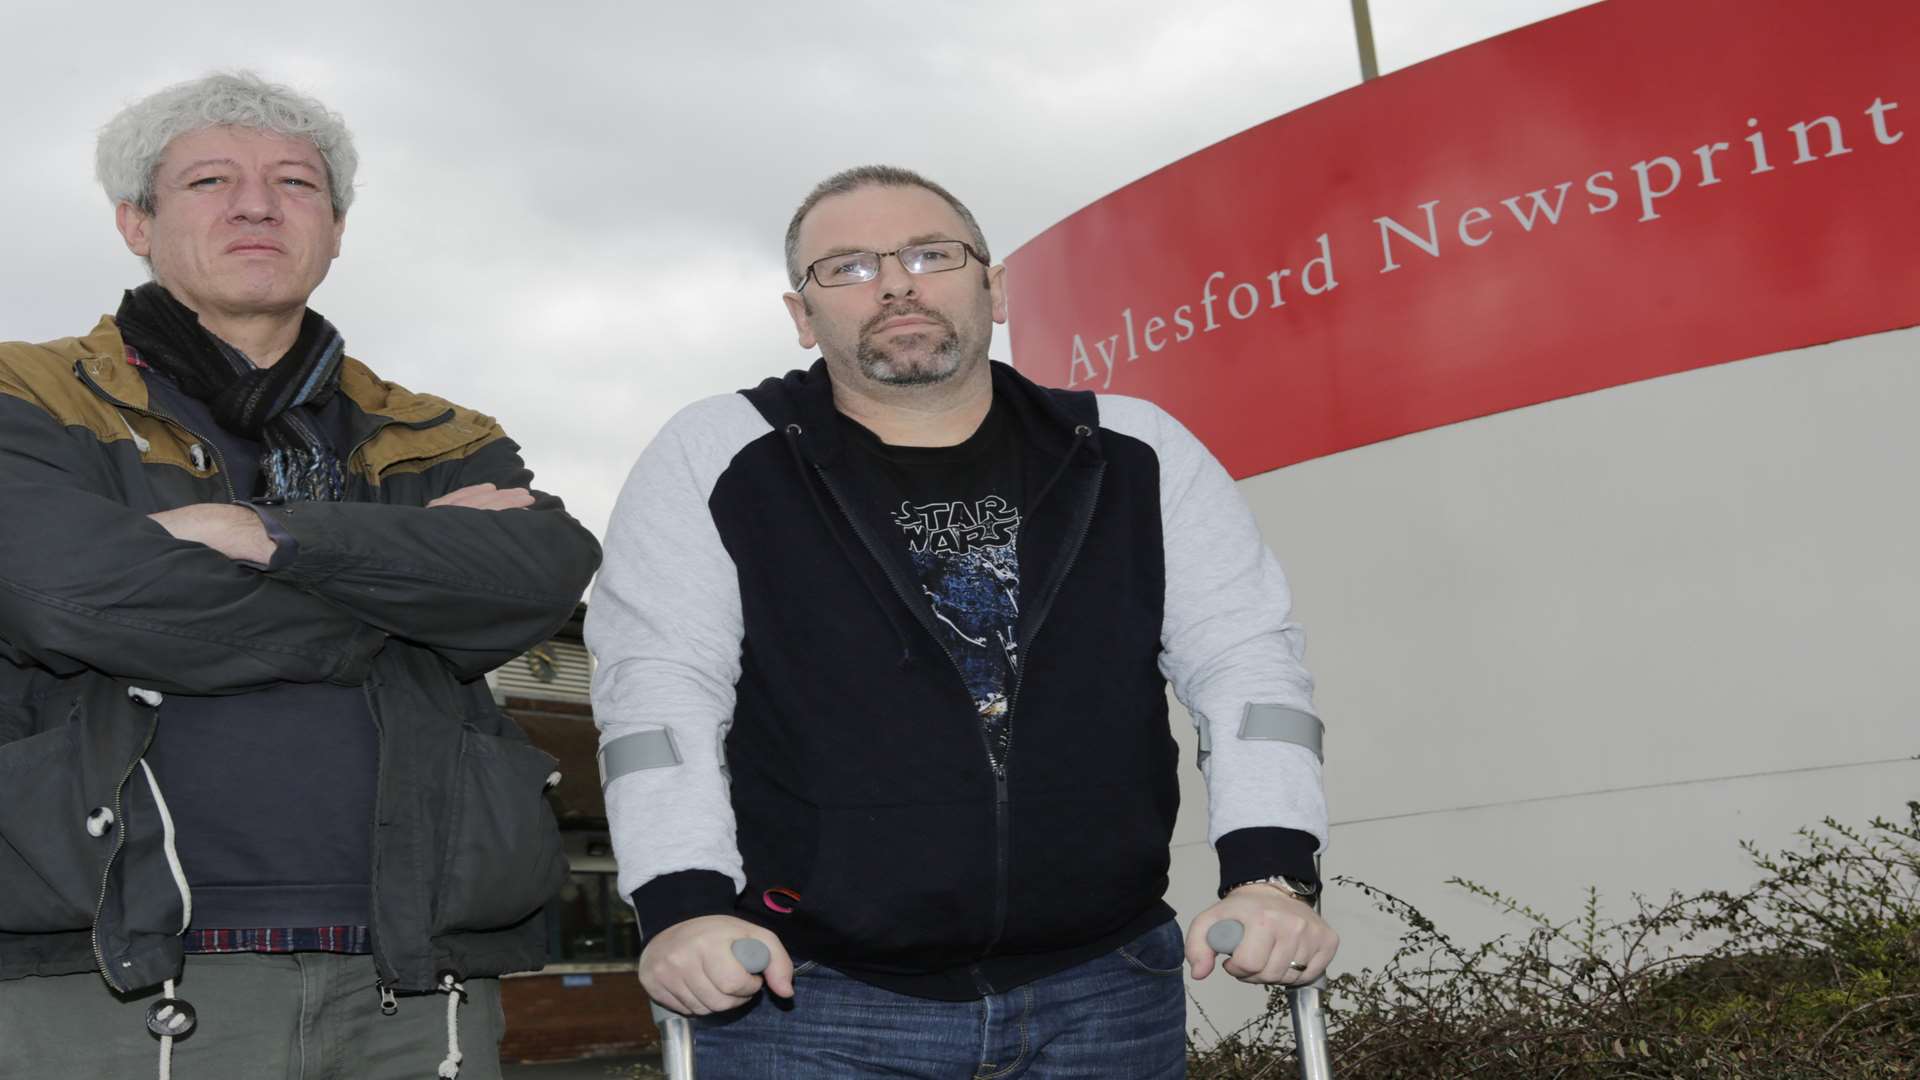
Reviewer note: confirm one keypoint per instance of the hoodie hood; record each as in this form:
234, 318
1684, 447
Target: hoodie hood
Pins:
1051, 418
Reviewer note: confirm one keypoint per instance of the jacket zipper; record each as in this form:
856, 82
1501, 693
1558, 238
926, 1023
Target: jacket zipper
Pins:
999, 769
119, 841
1046, 599
1013, 701
119, 791
212, 447
383, 971
386, 422
367, 438
1001, 809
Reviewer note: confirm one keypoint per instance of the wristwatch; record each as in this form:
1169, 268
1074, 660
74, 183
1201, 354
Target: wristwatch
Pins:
1301, 890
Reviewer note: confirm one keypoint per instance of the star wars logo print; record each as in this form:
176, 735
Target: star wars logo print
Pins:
954, 528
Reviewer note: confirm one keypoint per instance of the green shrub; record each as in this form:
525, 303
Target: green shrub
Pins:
1813, 972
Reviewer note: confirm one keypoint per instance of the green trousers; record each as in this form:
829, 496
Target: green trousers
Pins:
291, 1016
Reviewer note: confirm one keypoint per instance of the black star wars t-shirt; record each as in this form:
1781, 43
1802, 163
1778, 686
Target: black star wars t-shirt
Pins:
956, 512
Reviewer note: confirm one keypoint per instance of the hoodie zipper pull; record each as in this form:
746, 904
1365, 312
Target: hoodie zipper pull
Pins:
388, 1006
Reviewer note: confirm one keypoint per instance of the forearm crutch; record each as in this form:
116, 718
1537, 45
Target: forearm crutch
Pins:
1279, 723
676, 1035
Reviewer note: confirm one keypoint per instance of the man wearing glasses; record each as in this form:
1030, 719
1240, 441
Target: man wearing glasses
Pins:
883, 652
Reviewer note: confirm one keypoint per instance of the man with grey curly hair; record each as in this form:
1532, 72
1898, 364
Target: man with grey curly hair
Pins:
258, 812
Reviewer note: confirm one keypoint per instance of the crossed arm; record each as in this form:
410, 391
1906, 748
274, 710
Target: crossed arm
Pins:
176, 600
88, 583
239, 533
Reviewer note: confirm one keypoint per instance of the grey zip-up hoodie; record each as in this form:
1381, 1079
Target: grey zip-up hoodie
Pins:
777, 714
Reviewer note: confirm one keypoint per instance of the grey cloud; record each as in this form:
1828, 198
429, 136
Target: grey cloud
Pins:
570, 214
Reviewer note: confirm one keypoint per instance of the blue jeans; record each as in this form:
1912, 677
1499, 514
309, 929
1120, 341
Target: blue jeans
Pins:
1121, 1016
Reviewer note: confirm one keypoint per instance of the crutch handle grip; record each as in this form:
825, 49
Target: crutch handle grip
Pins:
752, 954
1224, 936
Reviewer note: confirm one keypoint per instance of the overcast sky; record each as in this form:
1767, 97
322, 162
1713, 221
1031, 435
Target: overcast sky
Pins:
570, 216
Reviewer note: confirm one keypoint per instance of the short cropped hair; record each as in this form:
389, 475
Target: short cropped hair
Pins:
131, 144
854, 179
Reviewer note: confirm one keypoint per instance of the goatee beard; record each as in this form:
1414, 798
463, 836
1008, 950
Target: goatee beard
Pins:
942, 361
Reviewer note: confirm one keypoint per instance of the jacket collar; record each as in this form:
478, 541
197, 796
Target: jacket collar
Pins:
104, 355
377, 404
804, 399
382, 404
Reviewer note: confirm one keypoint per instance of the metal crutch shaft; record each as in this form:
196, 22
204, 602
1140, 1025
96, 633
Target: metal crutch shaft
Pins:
676, 1036
1309, 1021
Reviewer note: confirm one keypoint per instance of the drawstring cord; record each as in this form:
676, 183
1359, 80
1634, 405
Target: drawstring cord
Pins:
166, 1041
827, 518
171, 1016
450, 1068
139, 442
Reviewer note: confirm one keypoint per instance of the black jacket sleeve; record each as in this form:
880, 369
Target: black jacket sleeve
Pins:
478, 587
86, 582
1254, 854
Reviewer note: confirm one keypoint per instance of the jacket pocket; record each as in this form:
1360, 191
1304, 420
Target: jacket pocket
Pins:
906, 888
50, 859
503, 858
1085, 861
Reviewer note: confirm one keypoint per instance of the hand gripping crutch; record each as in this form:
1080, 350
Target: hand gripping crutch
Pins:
1309, 1022
1279, 723
676, 1036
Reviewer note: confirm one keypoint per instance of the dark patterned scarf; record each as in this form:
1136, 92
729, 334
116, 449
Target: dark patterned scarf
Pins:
274, 406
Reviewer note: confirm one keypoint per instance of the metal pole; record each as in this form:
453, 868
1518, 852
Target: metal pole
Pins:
1363, 33
1310, 1031
676, 1043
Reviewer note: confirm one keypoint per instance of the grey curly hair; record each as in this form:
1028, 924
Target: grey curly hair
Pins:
131, 144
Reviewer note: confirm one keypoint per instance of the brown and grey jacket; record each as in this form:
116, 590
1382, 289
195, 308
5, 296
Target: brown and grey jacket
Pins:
103, 614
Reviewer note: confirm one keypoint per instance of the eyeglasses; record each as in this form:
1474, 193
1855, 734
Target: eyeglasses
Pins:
855, 267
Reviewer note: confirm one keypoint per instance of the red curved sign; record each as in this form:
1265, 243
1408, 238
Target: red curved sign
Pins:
1634, 189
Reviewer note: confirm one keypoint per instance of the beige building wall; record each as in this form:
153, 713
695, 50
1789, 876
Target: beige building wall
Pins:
1600, 641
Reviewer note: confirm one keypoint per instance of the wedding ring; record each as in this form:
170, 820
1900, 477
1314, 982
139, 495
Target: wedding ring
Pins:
1296, 965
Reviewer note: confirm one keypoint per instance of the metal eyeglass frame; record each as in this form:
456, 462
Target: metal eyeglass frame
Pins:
965, 247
